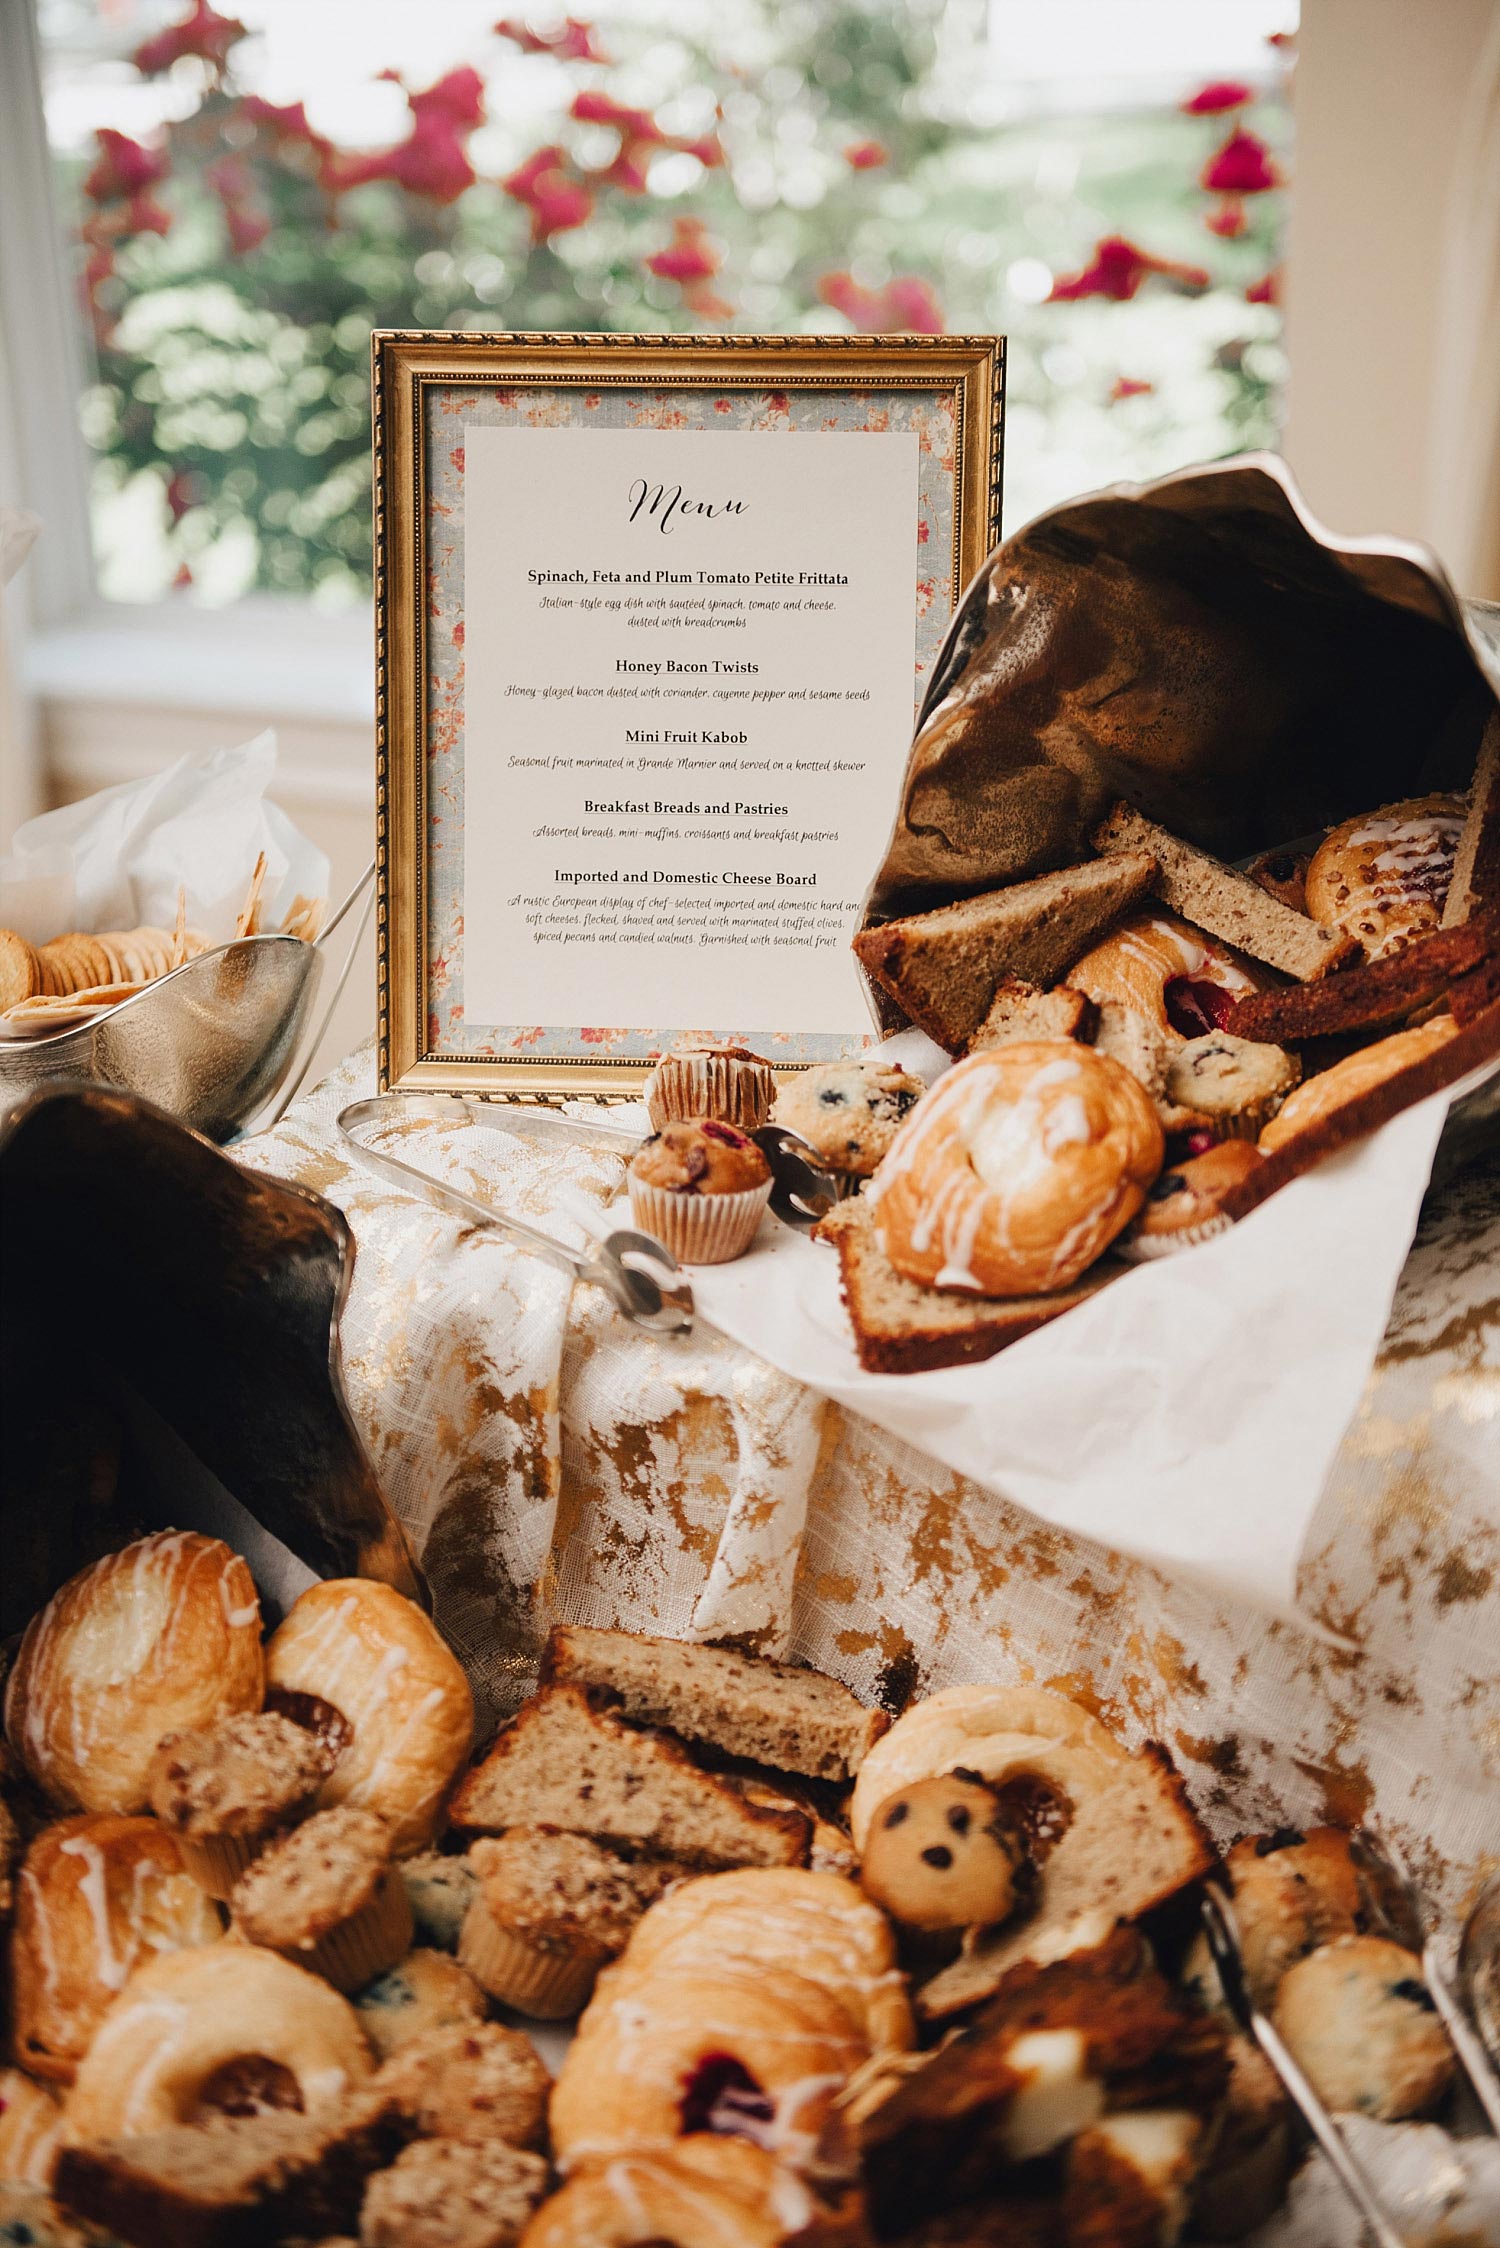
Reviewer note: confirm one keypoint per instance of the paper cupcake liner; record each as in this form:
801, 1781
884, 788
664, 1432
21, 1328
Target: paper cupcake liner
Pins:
686, 1086
216, 1861
1247, 1125
699, 1228
533, 1978
1143, 1248
368, 1942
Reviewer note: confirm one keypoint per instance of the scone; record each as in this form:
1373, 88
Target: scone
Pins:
1384, 876
382, 1665
1017, 1171
161, 1637
327, 1897
700, 1187
848, 1112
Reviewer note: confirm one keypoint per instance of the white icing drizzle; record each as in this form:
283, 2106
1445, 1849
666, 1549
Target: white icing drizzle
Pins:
111, 1967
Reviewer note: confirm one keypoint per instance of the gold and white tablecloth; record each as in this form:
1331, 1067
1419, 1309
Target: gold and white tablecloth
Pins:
547, 1459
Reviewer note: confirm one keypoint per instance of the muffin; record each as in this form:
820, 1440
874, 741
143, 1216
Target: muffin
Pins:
1234, 1084
700, 1188
424, 1991
327, 1897
223, 1793
441, 1889
699, 1078
848, 1112
478, 2082
1184, 1204
1362, 2023
551, 1909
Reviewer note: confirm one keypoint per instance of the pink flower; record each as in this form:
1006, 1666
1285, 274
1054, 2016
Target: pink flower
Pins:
1227, 218
246, 227
1117, 271
1267, 290
1127, 386
124, 167
144, 215
573, 43
556, 198
905, 305
433, 160
1213, 100
866, 156
285, 121
202, 33
459, 97
595, 107
689, 256
1241, 167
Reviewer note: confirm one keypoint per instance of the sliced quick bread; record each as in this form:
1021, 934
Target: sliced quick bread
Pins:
1019, 1010
901, 1327
1225, 902
943, 968
773, 1713
1476, 864
564, 1762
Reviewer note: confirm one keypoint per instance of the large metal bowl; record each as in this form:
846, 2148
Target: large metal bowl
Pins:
210, 1043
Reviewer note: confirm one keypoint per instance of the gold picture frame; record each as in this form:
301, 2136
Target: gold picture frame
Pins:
412, 371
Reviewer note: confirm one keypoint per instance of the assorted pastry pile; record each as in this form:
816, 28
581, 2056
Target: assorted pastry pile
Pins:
839, 1980
1146, 1045
75, 978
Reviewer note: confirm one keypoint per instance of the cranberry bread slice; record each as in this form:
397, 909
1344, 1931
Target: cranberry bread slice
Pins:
900, 1327
943, 968
1226, 903
563, 1762
773, 1713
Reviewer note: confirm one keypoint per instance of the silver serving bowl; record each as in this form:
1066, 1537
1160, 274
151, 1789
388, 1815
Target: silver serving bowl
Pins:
210, 1043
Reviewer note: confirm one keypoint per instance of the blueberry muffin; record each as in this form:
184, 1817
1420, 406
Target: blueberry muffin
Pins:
1361, 2021
441, 1889
849, 1112
1235, 1084
1184, 1203
425, 1990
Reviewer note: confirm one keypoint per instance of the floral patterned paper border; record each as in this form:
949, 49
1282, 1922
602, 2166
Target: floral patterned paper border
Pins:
932, 413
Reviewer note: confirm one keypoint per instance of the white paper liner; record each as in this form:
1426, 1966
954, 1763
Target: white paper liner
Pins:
699, 1229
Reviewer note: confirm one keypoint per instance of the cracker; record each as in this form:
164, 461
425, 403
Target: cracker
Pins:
20, 970
179, 929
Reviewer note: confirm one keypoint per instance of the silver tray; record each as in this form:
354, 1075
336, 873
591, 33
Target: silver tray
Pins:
214, 1043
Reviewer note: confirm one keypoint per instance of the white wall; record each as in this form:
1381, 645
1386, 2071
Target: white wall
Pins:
1393, 277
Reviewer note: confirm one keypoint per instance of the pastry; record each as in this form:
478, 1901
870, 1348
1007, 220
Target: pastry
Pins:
327, 1897
453, 2193
441, 1888
1136, 1043
1185, 1203
1182, 980
1234, 1084
161, 1637
901, 1327
30, 2218
774, 1917
96, 1896
1131, 2177
1000, 1734
1373, 996
779, 1714
479, 2082
1016, 1171
551, 1909
1317, 1103
561, 1762
1227, 903
374, 1656
940, 1854
1384, 876
762, 2051
223, 1792
943, 969
227, 2029
699, 1078
30, 2128
240, 2185
1291, 1892
700, 2193
1476, 861
1361, 2023
1283, 876
1019, 1012
848, 1112
424, 1991
701, 1189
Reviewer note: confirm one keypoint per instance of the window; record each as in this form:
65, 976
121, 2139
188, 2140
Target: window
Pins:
248, 193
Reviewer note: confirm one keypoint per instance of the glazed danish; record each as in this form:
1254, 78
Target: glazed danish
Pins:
30, 2129
703, 2193
162, 1637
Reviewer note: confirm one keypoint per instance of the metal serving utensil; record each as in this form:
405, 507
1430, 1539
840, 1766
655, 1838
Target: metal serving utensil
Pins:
1223, 1941
1462, 1974
642, 1277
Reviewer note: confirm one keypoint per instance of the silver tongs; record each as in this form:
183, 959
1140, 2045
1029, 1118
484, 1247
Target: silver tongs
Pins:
642, 1277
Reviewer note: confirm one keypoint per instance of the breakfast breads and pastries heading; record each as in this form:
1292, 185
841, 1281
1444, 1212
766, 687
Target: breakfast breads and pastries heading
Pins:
1148, 1044
841, 1981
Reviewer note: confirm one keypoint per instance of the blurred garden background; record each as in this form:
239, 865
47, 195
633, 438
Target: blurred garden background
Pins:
248, 194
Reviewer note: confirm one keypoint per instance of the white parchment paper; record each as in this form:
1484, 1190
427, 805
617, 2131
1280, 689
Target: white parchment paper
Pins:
1187, 1414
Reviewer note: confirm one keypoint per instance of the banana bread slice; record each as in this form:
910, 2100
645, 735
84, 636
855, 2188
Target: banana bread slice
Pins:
1018, 1010
563, 1762
773, 1713
943, 968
